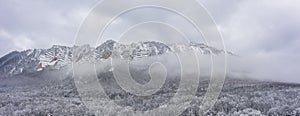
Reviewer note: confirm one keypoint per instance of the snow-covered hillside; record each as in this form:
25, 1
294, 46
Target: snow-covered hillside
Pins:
53, 92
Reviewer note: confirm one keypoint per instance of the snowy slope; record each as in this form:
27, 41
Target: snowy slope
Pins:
50, 93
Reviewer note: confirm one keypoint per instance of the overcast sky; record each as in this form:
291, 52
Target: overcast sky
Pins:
264, 33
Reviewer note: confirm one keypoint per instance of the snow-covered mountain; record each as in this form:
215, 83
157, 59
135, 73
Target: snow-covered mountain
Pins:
57, 56
55, 91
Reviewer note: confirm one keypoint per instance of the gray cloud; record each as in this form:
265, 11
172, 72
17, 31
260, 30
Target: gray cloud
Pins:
263, 32
40, 24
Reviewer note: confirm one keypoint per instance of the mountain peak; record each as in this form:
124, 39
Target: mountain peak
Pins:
59, 56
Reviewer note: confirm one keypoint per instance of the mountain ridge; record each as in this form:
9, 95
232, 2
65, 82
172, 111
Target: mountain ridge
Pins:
58, 56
